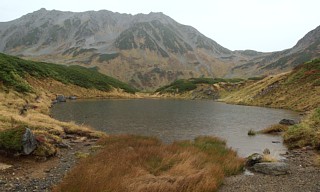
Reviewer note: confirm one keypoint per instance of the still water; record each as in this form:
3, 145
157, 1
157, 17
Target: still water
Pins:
172, 120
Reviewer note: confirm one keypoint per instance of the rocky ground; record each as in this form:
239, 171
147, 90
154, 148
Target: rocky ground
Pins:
303, 176
21, 173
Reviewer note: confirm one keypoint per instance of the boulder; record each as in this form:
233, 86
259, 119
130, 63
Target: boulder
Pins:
61, 98
273, 168
253, 159
29, 142
287, 122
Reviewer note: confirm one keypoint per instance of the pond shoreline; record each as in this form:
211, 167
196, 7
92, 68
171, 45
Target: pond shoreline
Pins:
38, 175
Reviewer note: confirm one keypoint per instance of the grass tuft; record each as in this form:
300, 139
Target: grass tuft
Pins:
252, 132
11, 139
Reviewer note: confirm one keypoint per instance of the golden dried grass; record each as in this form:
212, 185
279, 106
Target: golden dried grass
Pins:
133, 163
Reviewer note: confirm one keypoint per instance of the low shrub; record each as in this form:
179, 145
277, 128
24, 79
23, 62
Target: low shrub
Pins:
11, 139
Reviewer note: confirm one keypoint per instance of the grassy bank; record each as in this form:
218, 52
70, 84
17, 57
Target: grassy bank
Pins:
307, 133
132, 163
297, 90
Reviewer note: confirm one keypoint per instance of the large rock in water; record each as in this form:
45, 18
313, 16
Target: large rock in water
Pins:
287, 122
274, 168
29, 142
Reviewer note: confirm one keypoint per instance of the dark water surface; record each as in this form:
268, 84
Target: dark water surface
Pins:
172, 120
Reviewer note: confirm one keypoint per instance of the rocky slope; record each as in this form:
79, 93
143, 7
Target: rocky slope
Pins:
145, 50
306, 49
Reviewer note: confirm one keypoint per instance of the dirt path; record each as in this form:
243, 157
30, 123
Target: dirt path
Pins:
31, 174
303, 177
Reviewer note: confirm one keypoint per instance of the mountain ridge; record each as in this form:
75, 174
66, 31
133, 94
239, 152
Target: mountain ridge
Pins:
145, 50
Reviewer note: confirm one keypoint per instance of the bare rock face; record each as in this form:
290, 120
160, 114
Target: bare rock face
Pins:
145, 50
273, 168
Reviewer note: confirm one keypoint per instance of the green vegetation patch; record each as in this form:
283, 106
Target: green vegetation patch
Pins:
14, 70
256, 78
11, 139
178, 86
107, 57
183, 85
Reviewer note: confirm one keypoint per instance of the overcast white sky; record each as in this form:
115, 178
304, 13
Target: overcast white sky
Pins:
262, 25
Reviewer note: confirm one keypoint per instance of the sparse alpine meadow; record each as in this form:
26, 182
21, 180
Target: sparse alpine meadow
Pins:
127, 162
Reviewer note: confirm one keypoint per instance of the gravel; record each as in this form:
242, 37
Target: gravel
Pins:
30, 174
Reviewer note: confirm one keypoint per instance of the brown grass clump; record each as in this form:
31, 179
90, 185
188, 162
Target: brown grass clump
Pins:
277, 128
134, 163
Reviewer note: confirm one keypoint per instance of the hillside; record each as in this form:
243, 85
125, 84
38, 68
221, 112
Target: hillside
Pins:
15, 71
296, 90
145, 50
306, 49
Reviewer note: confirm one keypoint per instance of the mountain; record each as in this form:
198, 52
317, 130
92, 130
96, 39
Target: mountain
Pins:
147, 51
306, 49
